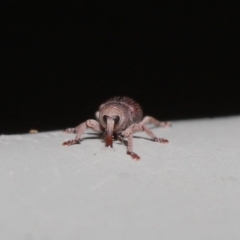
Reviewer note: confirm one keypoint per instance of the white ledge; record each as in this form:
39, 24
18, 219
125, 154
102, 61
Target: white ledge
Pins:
188, 189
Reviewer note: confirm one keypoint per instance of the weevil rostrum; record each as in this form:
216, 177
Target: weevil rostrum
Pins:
118, 117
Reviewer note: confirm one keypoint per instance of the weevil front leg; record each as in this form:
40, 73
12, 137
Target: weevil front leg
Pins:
128, 133
154, 121
80, 129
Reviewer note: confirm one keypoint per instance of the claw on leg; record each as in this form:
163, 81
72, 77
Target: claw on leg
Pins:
160, 140
134, 156
71, 142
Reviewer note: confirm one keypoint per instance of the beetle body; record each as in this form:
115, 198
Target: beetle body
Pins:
117, 114
120, 116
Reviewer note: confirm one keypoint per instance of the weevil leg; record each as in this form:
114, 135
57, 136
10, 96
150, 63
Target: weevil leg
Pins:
130, 148
80, 129
154, 121
137, 127
121, 139
128, 134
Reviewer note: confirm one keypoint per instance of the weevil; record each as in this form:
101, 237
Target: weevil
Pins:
120, 117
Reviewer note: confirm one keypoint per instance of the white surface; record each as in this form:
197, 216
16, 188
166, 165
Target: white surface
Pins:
188, 189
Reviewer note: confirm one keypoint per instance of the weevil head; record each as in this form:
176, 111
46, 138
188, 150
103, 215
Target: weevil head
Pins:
112, 119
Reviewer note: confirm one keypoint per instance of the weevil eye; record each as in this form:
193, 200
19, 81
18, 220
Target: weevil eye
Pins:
105, 118
116, 120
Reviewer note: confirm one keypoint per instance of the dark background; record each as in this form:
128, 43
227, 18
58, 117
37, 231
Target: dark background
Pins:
60, 60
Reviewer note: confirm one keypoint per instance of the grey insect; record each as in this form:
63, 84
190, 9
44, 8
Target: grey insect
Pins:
119, 117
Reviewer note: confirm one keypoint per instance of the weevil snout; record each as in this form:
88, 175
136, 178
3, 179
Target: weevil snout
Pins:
111, 123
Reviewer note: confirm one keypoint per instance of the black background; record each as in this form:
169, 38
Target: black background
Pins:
60, 60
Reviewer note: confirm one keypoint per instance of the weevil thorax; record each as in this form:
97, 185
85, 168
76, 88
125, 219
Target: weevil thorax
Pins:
116, 114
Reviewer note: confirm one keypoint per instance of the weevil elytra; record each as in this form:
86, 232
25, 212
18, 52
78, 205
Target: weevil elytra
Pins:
120, 117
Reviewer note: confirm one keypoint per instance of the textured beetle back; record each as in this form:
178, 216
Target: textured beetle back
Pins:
135, 108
